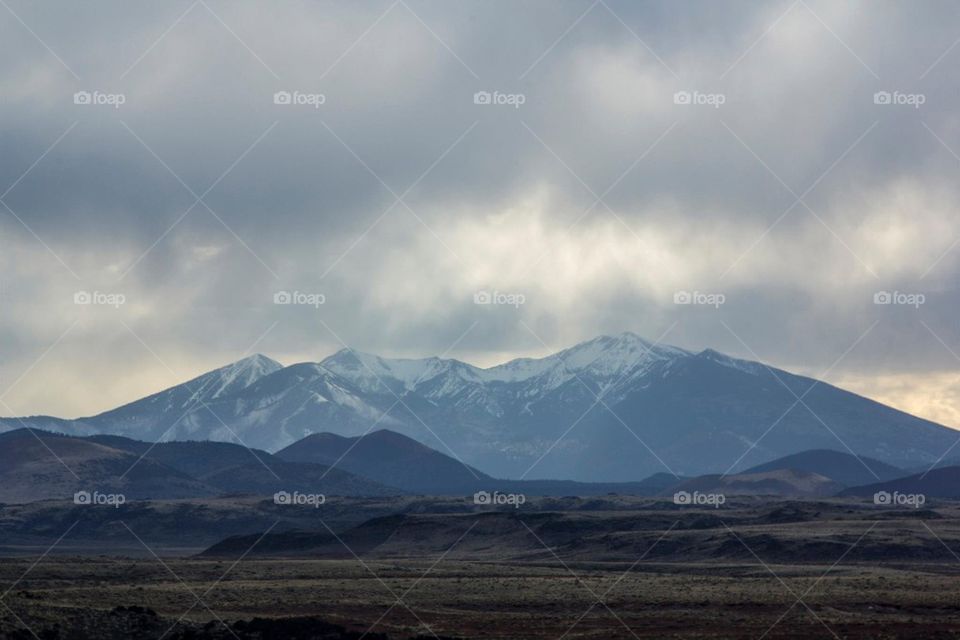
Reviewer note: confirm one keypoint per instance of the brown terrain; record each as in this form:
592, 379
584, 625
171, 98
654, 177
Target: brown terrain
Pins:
613, 567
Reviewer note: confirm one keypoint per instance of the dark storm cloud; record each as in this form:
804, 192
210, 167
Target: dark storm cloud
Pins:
691, 197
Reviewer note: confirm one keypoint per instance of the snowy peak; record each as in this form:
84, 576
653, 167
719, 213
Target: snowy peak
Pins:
605, 361
616, 355
233, 377
372, 373
605, 357
210, 386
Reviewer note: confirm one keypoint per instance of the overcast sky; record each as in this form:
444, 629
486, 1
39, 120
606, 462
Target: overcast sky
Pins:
629, 151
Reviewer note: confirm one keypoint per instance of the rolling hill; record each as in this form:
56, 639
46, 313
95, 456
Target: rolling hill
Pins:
843, 468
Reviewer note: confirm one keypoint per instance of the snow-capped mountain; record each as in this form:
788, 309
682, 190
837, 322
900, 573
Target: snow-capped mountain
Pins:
615, 408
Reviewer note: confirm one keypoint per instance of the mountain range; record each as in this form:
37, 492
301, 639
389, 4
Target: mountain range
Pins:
612, 409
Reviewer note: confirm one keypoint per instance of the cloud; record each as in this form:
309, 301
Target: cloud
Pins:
798, 197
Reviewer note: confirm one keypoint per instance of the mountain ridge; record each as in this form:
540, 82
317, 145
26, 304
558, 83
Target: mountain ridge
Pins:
610, 409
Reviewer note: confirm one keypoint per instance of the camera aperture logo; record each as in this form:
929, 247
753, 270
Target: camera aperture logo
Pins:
699, 298
298, 499
685, 498
499, 298
899, 298
99, 98
497, 499
299, 98
698, 98
496, 98
97, 499
897, 499
301, 298
898, 98
99, 298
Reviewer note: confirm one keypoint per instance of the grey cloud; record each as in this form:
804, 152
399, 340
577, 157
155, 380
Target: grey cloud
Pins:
499, 210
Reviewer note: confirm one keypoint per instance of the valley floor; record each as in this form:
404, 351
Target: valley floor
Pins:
620, 568
404, 598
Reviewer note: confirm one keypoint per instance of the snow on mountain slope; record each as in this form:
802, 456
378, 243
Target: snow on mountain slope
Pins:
615, 408
207, 387
151, 417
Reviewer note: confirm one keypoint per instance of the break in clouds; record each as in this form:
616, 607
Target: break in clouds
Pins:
584, 165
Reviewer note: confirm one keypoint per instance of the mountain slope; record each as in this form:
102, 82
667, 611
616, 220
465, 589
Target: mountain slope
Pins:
44, 466
840, 467
943, 482
389, 458
612, 409
39, 465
